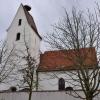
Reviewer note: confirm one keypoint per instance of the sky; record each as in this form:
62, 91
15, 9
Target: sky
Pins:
45, 12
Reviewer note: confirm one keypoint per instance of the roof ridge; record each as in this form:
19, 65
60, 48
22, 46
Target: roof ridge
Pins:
68, 49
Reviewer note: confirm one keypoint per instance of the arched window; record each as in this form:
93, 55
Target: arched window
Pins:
18, 36
61, 84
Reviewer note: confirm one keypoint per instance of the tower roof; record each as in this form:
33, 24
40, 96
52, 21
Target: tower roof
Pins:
30, 20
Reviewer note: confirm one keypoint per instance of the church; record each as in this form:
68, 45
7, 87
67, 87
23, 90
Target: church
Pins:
52, 65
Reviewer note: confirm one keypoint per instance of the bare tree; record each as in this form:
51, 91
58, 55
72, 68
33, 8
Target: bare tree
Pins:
28, 72
7, 64
75, 32
28, 65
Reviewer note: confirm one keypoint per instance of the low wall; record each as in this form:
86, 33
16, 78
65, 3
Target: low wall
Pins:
39, 96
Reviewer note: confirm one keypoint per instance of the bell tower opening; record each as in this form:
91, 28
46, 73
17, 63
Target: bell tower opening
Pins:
18, 36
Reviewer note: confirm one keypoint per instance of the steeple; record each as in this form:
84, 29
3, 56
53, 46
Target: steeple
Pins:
23, 26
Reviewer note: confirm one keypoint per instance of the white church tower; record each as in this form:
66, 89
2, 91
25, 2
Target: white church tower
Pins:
23, 29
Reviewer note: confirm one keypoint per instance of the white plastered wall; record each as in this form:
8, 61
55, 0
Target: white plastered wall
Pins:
27, 34
49, 80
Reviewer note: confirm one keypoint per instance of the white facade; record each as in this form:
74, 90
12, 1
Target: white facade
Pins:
49, 80
27, 34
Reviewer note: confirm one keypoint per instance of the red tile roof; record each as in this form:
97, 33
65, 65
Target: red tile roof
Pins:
67, 59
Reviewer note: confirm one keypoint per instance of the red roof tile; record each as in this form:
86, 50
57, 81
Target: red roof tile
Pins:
67, 59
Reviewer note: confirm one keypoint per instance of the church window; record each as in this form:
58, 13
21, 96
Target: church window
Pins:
18, 37
20, 21
61, 84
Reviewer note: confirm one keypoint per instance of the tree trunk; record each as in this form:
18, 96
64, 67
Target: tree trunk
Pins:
89, 97
30, 95
31, 87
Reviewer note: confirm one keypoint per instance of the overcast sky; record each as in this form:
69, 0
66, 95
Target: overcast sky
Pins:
44, 12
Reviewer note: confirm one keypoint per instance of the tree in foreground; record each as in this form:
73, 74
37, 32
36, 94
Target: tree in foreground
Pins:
27, 69
78, 31
29, 72
7, 64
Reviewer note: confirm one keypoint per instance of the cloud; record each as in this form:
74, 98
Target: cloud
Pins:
45, 12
